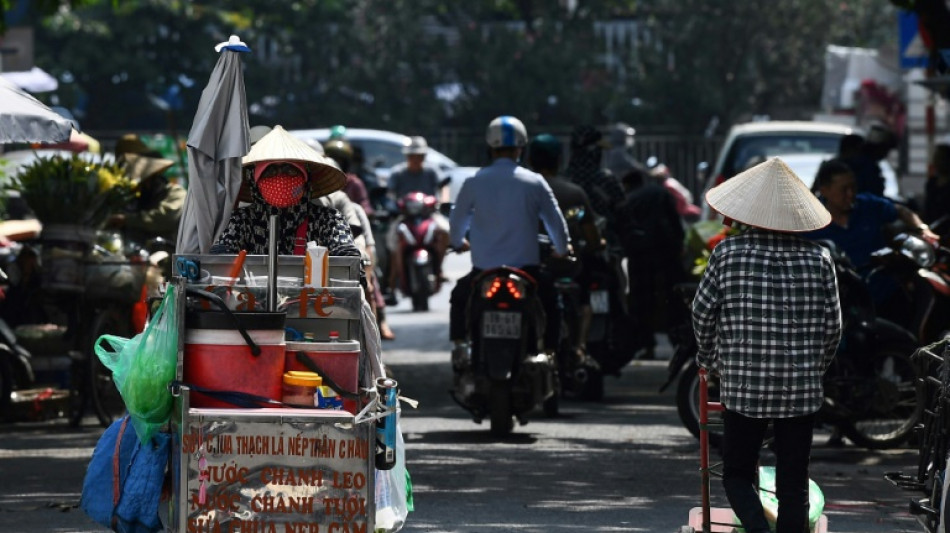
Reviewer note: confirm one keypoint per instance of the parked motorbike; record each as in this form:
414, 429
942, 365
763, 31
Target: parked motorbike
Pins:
921, 299
503, 373
869, 386
417, 231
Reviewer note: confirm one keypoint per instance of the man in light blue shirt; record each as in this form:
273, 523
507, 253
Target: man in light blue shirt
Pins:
500, 207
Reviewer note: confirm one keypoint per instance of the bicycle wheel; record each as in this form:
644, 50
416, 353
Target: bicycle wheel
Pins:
106, 401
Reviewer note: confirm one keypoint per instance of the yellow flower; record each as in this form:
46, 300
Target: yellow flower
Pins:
107, 180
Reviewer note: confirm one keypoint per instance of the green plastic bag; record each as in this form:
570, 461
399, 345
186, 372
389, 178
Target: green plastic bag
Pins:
816, 499
143, 366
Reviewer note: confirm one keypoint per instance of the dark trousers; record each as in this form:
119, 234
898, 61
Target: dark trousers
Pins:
458, 327
742, 440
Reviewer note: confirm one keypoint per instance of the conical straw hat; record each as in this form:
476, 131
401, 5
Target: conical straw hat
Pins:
142, 167
770, 196
278, 145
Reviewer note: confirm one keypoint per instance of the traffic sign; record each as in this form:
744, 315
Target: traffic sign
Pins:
913, 52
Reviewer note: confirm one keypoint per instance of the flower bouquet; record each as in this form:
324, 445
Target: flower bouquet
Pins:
72, 190
72, 198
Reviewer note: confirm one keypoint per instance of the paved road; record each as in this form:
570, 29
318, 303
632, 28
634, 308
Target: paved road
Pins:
625, 464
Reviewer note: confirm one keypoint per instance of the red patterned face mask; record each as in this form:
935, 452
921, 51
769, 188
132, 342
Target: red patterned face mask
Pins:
282, 184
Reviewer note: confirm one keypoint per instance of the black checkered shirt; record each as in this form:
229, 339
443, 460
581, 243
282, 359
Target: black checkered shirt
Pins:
767, 317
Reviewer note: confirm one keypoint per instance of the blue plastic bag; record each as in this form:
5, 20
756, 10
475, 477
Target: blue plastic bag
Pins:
124, 494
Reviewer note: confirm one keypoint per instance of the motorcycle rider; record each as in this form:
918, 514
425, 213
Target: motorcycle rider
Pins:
602, 187
499, 208
157, 208
544, 157
858, 220
618, 159
341, 151
415, 177
652, 235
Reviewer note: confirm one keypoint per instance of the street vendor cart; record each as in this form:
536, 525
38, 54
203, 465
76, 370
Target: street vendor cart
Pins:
243, 460
709, 519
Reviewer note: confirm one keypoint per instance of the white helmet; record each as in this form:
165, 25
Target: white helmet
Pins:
506, 132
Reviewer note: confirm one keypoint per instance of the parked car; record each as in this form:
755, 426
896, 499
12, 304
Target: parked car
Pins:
456, 177
382, 150
803, 143
806, 166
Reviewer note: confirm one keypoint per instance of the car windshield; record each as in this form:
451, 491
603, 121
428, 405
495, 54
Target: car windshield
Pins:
753, 149
380, 154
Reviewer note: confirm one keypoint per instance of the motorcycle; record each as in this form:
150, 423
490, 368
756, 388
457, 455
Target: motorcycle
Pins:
579, 374
503, 373
870, 392
921, 301
610, 339
417, 232
606, 325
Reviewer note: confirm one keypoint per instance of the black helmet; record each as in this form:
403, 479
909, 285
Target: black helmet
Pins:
587, 137
544, 151
340, 150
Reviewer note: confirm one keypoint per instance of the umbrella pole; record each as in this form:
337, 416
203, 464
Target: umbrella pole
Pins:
272, 264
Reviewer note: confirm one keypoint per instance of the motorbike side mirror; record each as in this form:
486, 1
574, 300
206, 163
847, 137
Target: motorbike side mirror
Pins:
445, 208
702, 170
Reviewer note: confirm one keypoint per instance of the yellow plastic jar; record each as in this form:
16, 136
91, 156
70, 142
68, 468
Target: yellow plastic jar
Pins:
300, 387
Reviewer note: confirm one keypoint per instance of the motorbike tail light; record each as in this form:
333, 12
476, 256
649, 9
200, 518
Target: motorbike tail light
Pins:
515, 289
492, 287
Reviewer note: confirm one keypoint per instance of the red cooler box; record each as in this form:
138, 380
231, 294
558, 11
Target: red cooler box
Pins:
338, 360
218, 357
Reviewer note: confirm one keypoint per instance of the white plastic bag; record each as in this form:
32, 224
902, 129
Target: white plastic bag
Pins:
393, 490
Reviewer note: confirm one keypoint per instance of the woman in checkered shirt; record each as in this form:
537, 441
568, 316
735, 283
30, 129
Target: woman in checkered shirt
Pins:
768, 320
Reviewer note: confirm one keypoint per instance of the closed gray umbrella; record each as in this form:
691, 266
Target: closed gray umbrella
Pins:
24, 119
218, 139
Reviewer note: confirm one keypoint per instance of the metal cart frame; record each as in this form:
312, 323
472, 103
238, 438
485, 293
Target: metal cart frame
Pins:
705, 518
274, 469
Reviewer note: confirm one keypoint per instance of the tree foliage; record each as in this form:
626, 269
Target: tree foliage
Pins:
753, 60
418, 65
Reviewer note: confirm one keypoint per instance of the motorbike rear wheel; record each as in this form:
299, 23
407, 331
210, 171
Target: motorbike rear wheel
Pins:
594, 387
687, 403
895, 404
418, 287
6, 387
499, 406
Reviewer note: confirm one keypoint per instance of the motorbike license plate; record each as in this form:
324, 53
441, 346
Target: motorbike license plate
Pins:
501, 325
599, 302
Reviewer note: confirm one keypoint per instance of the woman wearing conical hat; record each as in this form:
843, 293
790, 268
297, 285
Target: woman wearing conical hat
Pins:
767, 318
285, 174
157, 209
